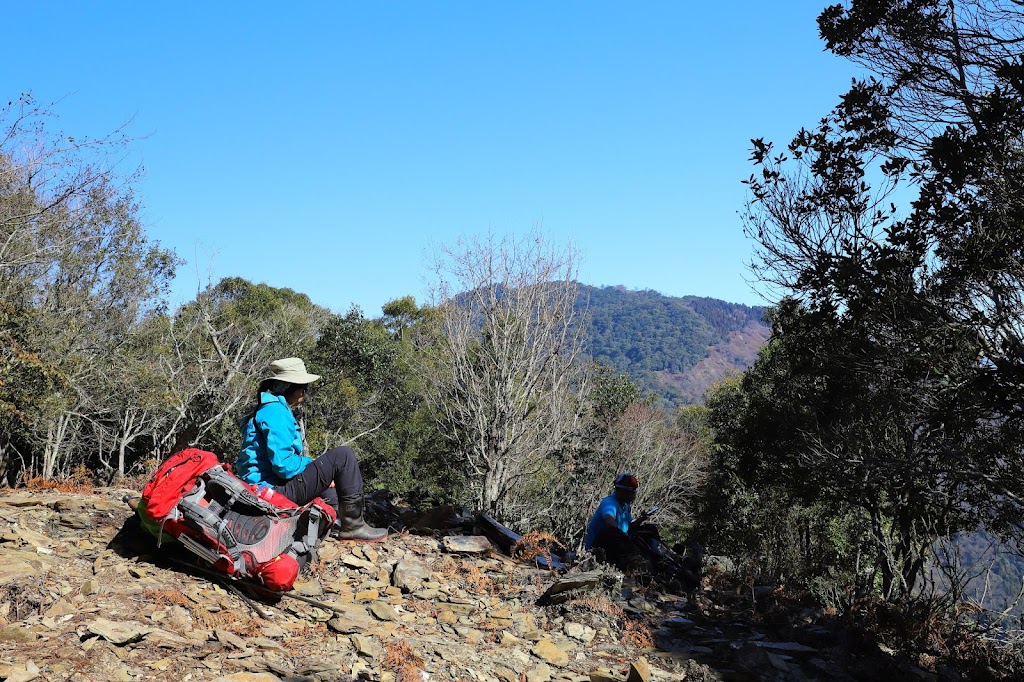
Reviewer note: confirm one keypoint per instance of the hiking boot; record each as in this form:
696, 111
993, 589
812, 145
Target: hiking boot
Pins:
350, 524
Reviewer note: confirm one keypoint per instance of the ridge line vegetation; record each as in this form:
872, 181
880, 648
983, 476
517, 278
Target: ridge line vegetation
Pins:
882, 421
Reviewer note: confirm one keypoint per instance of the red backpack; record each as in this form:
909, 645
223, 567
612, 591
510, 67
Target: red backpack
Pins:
242, 530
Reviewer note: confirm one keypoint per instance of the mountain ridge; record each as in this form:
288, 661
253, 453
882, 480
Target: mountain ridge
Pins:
674, 347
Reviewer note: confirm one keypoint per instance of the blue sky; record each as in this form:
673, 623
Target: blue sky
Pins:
327, 147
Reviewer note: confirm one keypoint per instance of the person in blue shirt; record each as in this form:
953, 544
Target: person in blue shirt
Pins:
272, 454
608, 530
635, 546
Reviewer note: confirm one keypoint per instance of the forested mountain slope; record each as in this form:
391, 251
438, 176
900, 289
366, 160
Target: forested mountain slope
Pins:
672, 346
995, 572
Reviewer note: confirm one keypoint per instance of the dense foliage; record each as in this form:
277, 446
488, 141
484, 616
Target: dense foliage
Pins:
652, 337
79, 282
887, 401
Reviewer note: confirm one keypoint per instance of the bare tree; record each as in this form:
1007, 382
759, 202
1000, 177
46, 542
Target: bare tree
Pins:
219, 345
505, 372
47, 181
669, 461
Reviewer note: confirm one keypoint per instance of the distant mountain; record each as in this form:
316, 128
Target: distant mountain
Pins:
674, 347
995, 572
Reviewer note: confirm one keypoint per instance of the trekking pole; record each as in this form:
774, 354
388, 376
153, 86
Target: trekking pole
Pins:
225, 582
310, 600
265, 615
270, 593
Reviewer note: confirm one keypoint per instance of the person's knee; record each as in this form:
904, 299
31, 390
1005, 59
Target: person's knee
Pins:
343, 455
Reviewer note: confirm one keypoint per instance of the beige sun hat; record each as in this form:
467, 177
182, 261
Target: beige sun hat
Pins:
292, 370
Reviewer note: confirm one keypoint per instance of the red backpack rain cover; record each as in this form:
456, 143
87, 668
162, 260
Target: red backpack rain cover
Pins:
242, 530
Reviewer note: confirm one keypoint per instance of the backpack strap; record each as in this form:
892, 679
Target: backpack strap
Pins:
312, 539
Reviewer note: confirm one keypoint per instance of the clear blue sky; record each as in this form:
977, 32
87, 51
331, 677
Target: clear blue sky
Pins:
326, 146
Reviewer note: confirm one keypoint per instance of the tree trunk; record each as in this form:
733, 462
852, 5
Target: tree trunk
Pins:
56, 432
493, 484
5, 458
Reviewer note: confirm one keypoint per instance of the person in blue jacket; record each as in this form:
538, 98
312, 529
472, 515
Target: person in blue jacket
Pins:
272, 454
609, 527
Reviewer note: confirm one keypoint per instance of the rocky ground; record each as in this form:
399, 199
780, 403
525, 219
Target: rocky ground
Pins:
82, 597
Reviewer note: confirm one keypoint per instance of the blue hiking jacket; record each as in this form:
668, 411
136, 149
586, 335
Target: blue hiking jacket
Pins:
609, 506
271, 444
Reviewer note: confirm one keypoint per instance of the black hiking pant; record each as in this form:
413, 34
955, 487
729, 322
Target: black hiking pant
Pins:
338, 466
619, 549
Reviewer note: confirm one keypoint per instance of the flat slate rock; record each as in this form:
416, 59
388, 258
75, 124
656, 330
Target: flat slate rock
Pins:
229, 638
549, 651
383, 611
353, 620
409, 574
565, 587
23, 564
639, 671
356, 562
784, 646
466, 544
119, 633
29, 499
605, 675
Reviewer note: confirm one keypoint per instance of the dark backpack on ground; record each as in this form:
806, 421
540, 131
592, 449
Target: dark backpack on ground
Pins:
241, 530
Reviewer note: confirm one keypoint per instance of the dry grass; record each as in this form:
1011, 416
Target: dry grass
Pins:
475, 581
598, 611
418, 606
400, 659
446, 566
409, 673
539, 584
489, 626
79, 480
228, 617
209, 620
246, 626
536, 544
300, 634
598, 604
637, 634
167, 597
465, 575
24, 598
316, 569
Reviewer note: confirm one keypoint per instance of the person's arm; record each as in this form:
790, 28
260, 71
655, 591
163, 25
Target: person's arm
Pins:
284, 442
607, 512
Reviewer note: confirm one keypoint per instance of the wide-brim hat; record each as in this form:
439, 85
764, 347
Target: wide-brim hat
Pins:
292, 370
